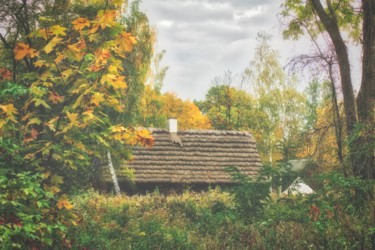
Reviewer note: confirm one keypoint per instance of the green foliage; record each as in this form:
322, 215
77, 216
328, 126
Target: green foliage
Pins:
28, 213
249, 195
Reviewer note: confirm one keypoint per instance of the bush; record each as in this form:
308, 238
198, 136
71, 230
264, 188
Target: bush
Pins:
28, 213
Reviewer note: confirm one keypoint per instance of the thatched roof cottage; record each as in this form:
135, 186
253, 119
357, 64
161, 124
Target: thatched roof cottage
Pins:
194, 156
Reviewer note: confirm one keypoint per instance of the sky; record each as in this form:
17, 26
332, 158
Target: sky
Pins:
205, 38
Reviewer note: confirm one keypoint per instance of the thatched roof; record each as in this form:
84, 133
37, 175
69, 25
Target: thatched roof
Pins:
195, 156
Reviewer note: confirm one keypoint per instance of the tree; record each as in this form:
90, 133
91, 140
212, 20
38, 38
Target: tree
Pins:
335, 18
70, 72
281, 106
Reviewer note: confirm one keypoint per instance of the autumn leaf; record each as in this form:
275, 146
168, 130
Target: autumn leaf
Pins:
72, 118
126, 41
59, 58
80, 23
40, 63
55, 98
108, 78
5, 74
97, 98
58, 30
32, 136
107, 18
52, 44
22, 50
64, 203
145, 138
9, 109
119, 83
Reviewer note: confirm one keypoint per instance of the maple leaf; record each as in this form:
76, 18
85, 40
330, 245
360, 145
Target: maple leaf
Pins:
107, 78
145, 138
80, 23
58, 30
72, 118
59, 58
52, 44
106, 18
64, 203
126, 41
40, 63
119, 83
55, 98
97, 98
102, 55
22, 50
9, 109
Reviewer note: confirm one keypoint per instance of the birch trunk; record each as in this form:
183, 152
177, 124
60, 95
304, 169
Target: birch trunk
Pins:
113, 174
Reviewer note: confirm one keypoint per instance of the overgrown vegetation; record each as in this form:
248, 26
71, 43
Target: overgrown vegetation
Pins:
240, 218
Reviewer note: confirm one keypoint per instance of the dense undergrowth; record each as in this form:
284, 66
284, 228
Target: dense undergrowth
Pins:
340, 215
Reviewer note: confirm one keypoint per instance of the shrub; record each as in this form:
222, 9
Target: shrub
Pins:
28, 213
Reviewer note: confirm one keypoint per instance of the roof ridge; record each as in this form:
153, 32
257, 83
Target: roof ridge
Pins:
202, 131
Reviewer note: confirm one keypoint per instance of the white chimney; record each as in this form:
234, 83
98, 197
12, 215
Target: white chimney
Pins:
172, 125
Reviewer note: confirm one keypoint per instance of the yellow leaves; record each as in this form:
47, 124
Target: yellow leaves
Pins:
10, 111
131, 136
80, 23
23, 50
145, 138
106, 18
97, 98
72, 119
117, 82
126, 41
63, 202
51, 123
54, 41
58, 30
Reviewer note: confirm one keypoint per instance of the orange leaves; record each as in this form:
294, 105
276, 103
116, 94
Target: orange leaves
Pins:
55, 98
5, 74
63, 202
145, 138
23, 50
126, 41
80, 23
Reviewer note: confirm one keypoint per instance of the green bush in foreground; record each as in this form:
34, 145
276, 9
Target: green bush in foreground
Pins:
29, 216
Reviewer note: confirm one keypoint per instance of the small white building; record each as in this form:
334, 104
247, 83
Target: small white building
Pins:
298, 187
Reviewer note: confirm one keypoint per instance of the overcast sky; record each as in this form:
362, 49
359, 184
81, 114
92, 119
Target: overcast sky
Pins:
205, 38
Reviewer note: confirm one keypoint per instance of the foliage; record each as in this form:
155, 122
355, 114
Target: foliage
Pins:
72, 81
187, 221
158, 107
31, 212
249, 194
336, 215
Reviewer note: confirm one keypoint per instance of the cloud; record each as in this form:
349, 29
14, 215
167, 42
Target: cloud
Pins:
204, 38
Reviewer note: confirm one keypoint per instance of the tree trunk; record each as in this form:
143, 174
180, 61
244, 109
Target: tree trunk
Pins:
336, 118
330, 24
113, 174
366, 95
